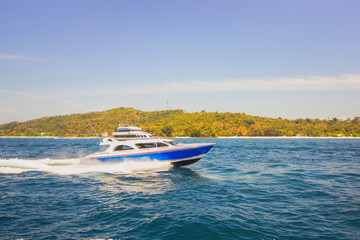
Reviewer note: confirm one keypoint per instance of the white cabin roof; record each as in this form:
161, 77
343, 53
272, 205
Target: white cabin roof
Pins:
129, 129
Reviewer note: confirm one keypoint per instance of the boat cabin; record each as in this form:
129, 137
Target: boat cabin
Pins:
139, 145
129, 132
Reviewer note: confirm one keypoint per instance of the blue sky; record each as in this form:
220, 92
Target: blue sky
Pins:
290, 59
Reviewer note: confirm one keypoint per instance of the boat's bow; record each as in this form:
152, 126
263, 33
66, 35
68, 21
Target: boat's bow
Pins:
191, 153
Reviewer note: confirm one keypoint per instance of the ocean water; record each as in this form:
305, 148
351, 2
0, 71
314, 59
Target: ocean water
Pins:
242, 189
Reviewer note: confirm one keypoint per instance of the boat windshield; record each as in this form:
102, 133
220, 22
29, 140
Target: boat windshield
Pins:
171, 142
122, 147
146, 145
160, 144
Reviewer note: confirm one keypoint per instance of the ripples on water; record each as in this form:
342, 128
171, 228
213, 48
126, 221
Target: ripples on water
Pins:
243, 189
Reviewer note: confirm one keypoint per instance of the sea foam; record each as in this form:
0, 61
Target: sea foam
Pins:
78, 166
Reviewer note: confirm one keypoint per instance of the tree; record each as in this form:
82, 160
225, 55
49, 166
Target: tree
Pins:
168, 130
180, 123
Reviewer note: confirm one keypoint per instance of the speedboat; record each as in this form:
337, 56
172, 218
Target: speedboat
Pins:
131, 143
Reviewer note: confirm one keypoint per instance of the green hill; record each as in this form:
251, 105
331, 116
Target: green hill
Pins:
179, 123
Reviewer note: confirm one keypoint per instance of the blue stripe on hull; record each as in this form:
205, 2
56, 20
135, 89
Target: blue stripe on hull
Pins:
162, 156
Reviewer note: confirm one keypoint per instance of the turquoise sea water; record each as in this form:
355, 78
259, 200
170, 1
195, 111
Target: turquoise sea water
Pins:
242, 189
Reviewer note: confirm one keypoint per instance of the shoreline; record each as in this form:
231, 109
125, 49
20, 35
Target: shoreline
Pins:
44, 137
231, 137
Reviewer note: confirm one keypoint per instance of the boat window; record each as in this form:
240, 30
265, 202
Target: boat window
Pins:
146, 145
129, 136
171, 143
160, 144
122, 147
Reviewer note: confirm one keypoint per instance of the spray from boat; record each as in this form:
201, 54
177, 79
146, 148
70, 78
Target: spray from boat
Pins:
79, 166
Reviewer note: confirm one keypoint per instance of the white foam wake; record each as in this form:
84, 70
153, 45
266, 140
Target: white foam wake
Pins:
77, 166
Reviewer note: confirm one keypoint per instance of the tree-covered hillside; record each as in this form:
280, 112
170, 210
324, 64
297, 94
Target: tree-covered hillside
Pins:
179, 123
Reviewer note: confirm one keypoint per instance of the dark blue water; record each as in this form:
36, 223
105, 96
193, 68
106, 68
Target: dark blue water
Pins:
243, 189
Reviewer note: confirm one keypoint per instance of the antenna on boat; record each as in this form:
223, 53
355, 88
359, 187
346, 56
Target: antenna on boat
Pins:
94, 131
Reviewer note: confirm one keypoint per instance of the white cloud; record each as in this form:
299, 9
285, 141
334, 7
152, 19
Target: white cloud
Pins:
344, 82
19, 93
191, 95
9, 110
21, 57
12, 57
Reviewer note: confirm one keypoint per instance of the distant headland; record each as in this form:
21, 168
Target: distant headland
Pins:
178, 123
